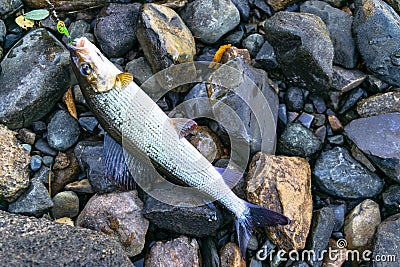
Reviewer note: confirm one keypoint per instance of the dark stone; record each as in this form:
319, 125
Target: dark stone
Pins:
63, 131
3, 31
319, 103
253, 43
89, 154
47, 161
352, 99
339, 24
196, 103
210, 19
391, 199
140, 69
378, 138
36, 78
339, 211
282, 113
303, 48
243, 7
345, 80
266, 57
375, 85
66, 204
7, 6
26, 136
89, 123
387, 238
321, 230
43, 175
234, 37
115, 28
305, 119
209, 252
297, 140
336, 139
164, 37
39, 126
35, 163
44, 147
39, 242
294, 99
35, 201
377, 31
338, 174
181, 217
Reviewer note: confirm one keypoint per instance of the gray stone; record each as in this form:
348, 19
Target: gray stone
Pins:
294, 99
209, 252
77, 29
303, 48
140, 69
36, 78
377, 31
35, 163
243, 7
119, 216
66, 204
63, 131
43, 175
89, 155
338, 174
210, 19
345, 80
266, 57
379, 104
7, 6
297, 140
375, 85
3, 31
339, 24
27, 241
44, 147
391, 199
305, 119
115, 28
88, 123
386, 242
339, 211
253, 43
351, 100
26, 136
35, 201
14, 162
379, 138
321, 230
181, 217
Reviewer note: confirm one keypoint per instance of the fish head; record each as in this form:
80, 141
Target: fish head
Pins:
91, 66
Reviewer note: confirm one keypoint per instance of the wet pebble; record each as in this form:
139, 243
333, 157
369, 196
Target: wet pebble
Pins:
337, 173
164, 253
35, 201
115, 28
118, 215
297, 140
66, 204
14, 176
209, 19
63, 131
360, 225
35, 163
310, 64
44, 147
283, 184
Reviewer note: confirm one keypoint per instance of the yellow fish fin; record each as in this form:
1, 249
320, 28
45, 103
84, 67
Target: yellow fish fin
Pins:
124, 79
218, 55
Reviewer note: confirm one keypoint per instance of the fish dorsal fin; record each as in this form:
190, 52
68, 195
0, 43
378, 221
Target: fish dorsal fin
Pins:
124, 79
183, 126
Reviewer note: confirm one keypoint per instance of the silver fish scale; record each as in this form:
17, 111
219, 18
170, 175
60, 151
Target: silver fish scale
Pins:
138, 118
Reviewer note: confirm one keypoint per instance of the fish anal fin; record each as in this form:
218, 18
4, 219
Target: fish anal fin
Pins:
231, 177
183, 126
124, 79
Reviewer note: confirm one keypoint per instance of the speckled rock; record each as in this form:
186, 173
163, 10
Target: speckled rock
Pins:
294, 99
345, 80
66, 175
377, 31
164, 37
179, 215
337, 173
367, 134
14, 162
283, 184
63, 131
387, 240
35, 201
360, 224
297, 140
231, 257
210, 19
339, 24
280, 4
26, 136
307, 61
207, 143
82, 186
36, 78
180, 251
27, 241
140, 69
119, 216
66, 204
379, 104
115, 28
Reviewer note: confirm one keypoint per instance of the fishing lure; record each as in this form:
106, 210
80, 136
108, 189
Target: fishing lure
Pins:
61, 28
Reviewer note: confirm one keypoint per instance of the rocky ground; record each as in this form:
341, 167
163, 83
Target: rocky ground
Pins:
330, 71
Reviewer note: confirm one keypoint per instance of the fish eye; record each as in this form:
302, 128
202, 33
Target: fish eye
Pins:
86, 69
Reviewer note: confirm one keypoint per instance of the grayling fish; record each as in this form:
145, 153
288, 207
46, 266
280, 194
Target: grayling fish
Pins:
126, 112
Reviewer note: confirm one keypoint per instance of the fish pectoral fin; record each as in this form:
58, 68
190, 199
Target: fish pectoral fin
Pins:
183, 126
231, 177
124, 79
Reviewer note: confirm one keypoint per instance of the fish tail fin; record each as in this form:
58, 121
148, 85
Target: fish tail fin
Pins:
256, 216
